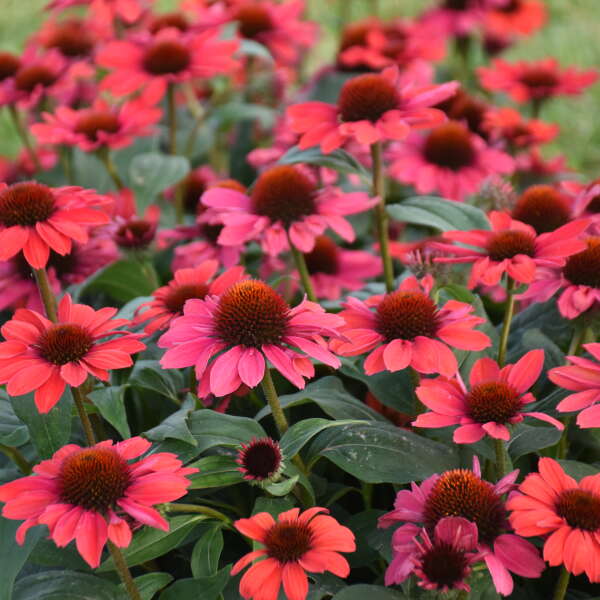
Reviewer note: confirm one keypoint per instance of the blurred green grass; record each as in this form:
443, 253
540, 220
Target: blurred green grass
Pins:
571, 35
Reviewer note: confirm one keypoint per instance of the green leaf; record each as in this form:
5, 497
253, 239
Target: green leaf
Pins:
123, 281
338, 160
49, 431
13, 556
13, 432
110, 402
128, 310
206, 588
175, 426
282, 488
299, 434
149, 375
233, 112
526, 439
147, 585
215, 471
438, 213
64, 585
372, 592
273, 506
578, 470
152, 173
381, 452
331, 396
151, 543
253, 48
211, 429
206, 553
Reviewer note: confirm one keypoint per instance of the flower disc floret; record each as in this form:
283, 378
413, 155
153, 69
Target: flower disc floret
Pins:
367, 97
450, 146
25, 204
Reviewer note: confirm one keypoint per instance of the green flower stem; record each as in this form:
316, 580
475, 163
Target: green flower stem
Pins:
103, 153
560, 591
123, 571
22, 132
381, 216
500, 458
79, 399
196, 508
48, 299
302, 271
508, 317
15, 455
66, 158
172, 115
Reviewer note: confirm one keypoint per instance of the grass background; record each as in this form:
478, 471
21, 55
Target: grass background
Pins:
572, 35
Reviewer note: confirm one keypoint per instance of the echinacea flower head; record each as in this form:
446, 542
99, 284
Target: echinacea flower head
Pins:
516, 17
565, 512
466, 109
508, 126
513, 248
543, 207
168, 57
370, 108
408, 329
334, 269
35, 219
582, 376
228, 337
463, 493
260, 460
450, 160
293, 545
285, 205
96, 494
186, 284
74, 38
44, 356
496, 399
99, 126
535, 81
9, 65
442, 561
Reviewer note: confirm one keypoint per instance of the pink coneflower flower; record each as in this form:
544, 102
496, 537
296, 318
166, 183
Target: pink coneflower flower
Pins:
508, 125
35, 218
516, 17
130, 231
260, 460
250, 322
74, 38
279, 27
370, 108
456, 17
450, 160
291, 546
189, 255
442, 563
333, 269
195, 183
170, 299
285, 202
44, 356
543, 207
99, 126
168, 57
566, 513
511, 247
535, 81
582, 377
533, 165
496, 399
95, 494
408, 329
107, 11
462, 493
466, 109
579, 278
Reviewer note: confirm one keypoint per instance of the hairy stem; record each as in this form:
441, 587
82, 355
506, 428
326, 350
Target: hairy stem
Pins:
500, 458
381, 216
508, 317
103, 154
560, 591
123, 571
172, 115
196, 508
15, 455
83, 416
22, 132
302, 269
48, 299
273, 399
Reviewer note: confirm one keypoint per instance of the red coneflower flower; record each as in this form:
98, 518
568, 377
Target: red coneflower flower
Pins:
36, 218
168, 57
508, 125
227, 338
73, 38
106, 11
95, 494
370, 108
285, 200
543, 207
566, 513
407, 329
186, 284
511, 247
462, 493
44, 356
516, 17
496, 399
535, 81
450, 160
582, 377
292, 545
260, 460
